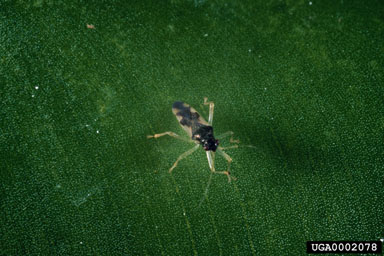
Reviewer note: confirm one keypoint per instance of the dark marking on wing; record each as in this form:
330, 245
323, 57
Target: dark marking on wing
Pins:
187, 117
178, 105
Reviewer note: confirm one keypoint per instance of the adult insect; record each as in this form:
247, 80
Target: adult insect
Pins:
201, 133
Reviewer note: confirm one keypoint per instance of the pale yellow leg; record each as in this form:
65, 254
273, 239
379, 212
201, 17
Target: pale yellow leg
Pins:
231, 140
225, 148
184, 155
172, 134
226, 134
229, 160
211, 108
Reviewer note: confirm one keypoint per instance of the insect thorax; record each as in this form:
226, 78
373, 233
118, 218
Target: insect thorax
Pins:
204, 135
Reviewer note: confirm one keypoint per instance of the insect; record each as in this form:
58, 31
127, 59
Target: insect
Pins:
201, 133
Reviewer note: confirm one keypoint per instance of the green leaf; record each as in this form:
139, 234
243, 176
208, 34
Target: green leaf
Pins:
83, 84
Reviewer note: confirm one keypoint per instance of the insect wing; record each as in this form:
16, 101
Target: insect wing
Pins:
187, 116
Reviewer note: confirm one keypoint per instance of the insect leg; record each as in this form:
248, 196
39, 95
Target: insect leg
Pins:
231, 140
229, 159
225, 148
226, 134
184, 155
172, 134
211, 107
